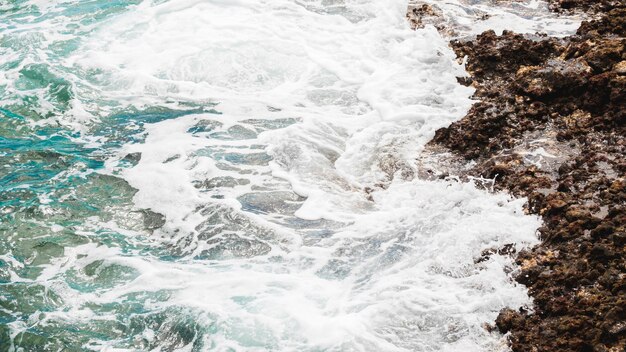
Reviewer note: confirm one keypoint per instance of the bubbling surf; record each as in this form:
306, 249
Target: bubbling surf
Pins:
241, 176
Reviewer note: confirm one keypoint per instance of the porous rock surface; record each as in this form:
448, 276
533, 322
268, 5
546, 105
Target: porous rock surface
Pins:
550, 125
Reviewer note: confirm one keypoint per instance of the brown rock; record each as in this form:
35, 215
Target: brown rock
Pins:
568, 96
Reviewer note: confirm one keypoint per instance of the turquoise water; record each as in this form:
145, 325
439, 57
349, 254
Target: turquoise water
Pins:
208, 175
52, 197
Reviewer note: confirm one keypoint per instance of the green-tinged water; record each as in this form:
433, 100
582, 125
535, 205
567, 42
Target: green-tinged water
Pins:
54, 199
210, 175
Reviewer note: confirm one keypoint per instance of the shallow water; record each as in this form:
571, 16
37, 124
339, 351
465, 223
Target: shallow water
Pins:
240, 176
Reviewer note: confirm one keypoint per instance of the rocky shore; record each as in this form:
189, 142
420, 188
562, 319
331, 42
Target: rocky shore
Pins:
550, 126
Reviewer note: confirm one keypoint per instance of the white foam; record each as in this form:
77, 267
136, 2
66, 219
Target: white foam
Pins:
410, 284
465, 17
373, 259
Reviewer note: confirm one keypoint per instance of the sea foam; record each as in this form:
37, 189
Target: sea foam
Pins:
294, 219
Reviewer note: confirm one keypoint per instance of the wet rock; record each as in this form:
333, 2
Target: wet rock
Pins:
620, 68
568, 96
507, 319
586, 5
556, 205
420, 14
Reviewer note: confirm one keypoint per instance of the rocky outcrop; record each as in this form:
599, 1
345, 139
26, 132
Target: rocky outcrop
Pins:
550, 126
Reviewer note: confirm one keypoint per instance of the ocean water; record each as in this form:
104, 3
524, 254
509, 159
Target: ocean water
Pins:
240, 175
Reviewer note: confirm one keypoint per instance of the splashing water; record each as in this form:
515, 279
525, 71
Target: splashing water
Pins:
240, 176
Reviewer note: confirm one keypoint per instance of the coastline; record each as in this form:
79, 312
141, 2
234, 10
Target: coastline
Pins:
549, 125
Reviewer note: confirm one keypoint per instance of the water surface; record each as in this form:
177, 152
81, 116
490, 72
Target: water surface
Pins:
240, 176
